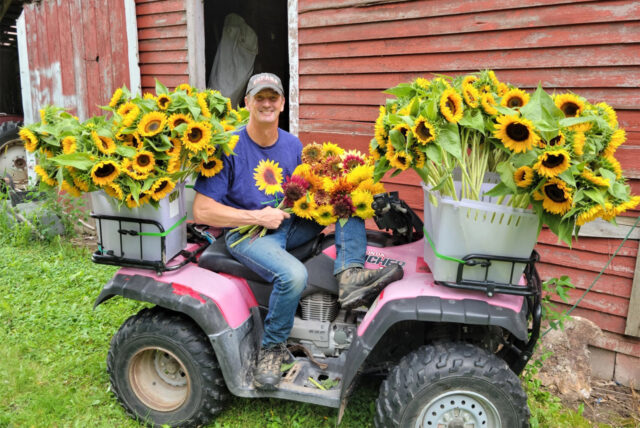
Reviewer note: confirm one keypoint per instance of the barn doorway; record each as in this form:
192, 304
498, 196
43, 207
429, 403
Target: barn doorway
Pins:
268, 19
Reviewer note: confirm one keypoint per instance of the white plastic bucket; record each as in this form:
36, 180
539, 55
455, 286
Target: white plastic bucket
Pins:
170, 214
464, 227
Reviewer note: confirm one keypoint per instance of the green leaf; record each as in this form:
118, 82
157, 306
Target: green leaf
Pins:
619, 191
568, 176
473, 119
126, 151
380, 169
595, 195
396, 172
160, 88
499, 189
403, 90
81, 161
397, 139
609, 175
432, 109
434, 154
541, 109
506, 171
526, 158
449, 140
343, 221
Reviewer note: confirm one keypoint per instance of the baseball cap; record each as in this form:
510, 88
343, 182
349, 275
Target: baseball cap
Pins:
261, 81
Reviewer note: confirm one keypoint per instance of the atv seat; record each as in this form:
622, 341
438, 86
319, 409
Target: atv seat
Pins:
218, 259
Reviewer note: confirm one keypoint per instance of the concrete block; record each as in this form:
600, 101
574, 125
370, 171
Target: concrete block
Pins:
627, 370
602, 362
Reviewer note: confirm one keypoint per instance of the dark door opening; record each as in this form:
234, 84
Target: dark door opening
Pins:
268, 19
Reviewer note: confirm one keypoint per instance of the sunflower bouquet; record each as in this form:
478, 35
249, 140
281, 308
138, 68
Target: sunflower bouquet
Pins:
330, 185
553, 153
138, 153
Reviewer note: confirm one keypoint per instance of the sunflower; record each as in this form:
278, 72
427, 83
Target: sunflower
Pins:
617, 139
152, 124
312, 153
552, 163
104, 172
232, 142
362, 203
81, 184
404, 129
185, 87
451, 105
376, 152
628, 205
143, 162
517, 134
423, 130
557, 196
178, 119
609, 114
558, 140
47, 153
523, 176
196, 136
114, 190
161, 188
148, 96
471, 95
581, 127
304, 207
588, 175
105, 144
30, 140
419, 158
468, 80
176, 147
360, 173
422, 82
570, 104
163, 101
202, 103
608, 213
380, 132
70, 188
351, 161
211, 167
268, 177
115, 99
323, 215
370, 186
592, 213
69, 145
494, 79
126, 166
401, 160
579, 139
611, 163
45, 176
131, 202
174, 165
129, 113
488, 103
515, 98
331, 149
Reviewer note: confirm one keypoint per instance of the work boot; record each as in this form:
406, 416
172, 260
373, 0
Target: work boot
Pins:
359, 286
267, 373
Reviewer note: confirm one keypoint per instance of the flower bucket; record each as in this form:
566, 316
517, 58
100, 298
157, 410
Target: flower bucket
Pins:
455, 229
138, 233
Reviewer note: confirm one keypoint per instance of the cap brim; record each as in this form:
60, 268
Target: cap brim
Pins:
265, 86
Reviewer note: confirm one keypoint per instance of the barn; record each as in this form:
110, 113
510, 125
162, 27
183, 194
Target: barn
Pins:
337, 56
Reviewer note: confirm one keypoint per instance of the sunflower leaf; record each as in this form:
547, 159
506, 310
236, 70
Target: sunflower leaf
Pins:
397, 139
343, 221
160, 88
380, 169
619, 191
499, 189
541, 108
568, 177
125, 151
403, 90
527, 158
473, 118
449, 140
81, 161
609, 175
506, 171
595, 195
434, 153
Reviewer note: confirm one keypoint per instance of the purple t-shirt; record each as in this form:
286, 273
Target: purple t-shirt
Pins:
235, 186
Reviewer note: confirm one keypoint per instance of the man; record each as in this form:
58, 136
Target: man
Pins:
231, 199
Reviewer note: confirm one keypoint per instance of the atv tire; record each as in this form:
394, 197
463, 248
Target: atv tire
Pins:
13, 156
451, 385
163, 370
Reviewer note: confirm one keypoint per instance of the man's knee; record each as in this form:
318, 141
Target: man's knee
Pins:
295, 278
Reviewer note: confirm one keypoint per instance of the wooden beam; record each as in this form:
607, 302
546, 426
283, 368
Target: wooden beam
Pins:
632, 327
603, 229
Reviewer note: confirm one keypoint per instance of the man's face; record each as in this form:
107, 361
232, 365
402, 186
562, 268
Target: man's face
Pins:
265, 106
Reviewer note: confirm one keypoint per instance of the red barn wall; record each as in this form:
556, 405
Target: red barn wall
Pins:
350, 51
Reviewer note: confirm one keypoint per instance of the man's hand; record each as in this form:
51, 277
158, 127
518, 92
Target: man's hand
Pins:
272, 217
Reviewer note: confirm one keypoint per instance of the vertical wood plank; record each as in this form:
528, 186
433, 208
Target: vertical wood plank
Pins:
105, 63
79, 58
67, 69
91, 56
632, 327
119, 44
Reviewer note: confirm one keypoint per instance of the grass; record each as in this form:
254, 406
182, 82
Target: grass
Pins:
54, 346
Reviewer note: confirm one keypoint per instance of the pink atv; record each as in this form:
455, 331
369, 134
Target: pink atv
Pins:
451, 352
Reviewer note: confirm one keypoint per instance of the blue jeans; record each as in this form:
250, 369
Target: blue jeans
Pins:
269, 258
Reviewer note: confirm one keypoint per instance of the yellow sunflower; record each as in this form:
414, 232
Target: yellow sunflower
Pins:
517, 134
523, 176
557, 196
380, 133
152, 124
174, 165
590, 214
178, 119
362, 203
589, 175
161, 188
69, 145
45, 176
552, 163
163, 101
611, 163
471, 95
360, 173
401, 160
372, 187
312, 153
515, 98
628, 205
196, 136
70, 188
211, 167
422, 82
184, 87
129, 113
375, 152
104, 172
304, 208
331, 149
144, 161
203, 104
581, 127
419, 158
105, 144
115, 99
617, 139
232, 142
451, 105
323, 215
609, 113
30, 140
570, 104
494, 79
176, 147
268, 177
132, 203
114, 190
126, 166
81, 184
404, 129
468, 80
579, 139
488, 103
423, 130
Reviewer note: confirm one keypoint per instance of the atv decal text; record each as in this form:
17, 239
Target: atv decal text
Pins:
379, 259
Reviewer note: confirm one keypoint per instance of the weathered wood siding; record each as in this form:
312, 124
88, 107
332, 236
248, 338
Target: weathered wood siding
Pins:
162, 40
350, 50
77, 53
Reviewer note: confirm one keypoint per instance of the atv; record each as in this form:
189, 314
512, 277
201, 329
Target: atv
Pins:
451, 352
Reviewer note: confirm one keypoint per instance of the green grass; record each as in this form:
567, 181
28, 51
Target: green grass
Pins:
54, 346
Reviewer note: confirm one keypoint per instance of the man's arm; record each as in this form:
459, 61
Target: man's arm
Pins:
211, 212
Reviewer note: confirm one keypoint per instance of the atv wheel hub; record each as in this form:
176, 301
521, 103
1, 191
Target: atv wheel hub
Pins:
459, 409
159, 379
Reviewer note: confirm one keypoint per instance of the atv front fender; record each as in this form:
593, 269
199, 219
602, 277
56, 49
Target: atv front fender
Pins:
215, 302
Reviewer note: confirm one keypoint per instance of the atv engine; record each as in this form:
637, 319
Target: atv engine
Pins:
322, 327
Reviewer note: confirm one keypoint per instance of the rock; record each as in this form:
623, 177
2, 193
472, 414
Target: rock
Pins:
568, 368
